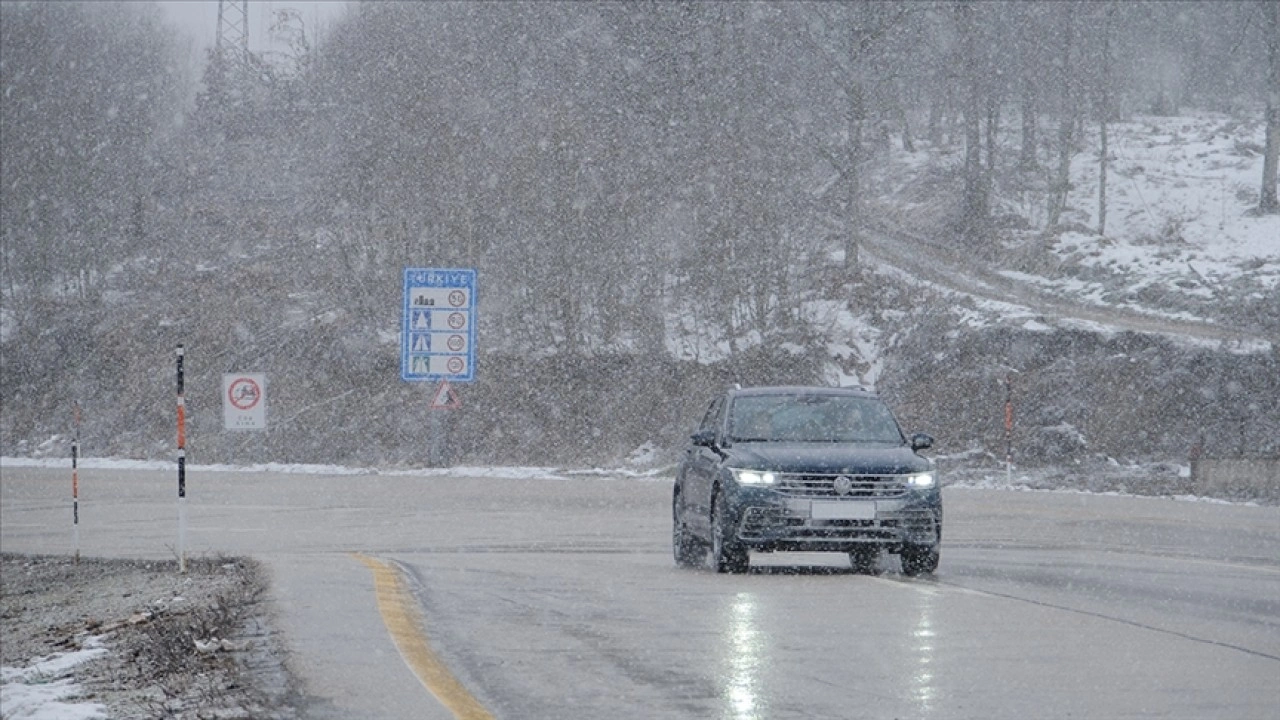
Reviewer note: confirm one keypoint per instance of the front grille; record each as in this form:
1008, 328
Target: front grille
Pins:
775, 523
862, 486
918, 526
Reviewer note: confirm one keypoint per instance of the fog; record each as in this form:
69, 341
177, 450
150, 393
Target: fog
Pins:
659, 199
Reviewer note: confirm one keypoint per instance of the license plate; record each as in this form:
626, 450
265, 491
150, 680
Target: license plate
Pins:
851, 510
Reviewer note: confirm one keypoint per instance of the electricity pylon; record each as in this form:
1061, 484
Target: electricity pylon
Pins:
232, 43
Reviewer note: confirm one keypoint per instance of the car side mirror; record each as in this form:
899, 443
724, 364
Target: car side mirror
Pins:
921, 441
704, 438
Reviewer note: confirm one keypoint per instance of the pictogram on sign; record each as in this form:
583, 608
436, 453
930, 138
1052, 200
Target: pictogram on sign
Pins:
244, 401
244, 393
438, 327
445, 397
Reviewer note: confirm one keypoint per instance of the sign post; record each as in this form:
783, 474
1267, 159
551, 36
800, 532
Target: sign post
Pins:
438, 337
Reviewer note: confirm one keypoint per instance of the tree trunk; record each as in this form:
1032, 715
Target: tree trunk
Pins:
1027, 158
993, 135
1104, 114
1102, 178
974, 220
935, 122
853, 184
1271, 162
908, 145
1062, 179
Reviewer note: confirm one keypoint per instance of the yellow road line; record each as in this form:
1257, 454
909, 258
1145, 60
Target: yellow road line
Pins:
405, 624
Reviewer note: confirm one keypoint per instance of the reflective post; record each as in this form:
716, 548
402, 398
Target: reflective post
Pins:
182, 470
75, 487
1008, 427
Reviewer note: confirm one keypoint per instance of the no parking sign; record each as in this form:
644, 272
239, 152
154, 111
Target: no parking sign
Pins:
244, 401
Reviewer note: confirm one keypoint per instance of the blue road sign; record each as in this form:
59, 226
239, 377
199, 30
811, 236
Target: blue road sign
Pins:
438, 329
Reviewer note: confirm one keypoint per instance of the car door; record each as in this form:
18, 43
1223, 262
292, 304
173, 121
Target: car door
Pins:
701, 465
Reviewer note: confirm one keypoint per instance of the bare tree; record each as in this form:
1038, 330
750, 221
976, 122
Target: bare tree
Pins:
975, 209
1104, 116
1062, 177
1271, 164
847, 54
1028, 51
88, 90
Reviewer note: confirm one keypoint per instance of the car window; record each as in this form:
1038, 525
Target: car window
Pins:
812, 418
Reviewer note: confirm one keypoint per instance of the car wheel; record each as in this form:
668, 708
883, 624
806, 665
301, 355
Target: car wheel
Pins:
729, 555
687, 549
919, 560
865, 559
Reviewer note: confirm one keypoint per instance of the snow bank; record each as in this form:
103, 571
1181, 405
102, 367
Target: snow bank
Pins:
44, 689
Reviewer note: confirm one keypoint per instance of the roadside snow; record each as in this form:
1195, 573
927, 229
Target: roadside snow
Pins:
991, 482
41, 691
659, 474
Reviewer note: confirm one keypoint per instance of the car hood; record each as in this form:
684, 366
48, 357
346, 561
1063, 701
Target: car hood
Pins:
827, 458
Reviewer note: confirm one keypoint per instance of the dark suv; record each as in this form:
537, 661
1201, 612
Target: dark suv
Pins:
805, 468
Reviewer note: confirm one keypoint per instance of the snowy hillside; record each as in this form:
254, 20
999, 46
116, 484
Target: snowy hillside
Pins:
1181, 238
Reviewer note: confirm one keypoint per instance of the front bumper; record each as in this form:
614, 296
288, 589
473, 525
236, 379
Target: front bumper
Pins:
788, 523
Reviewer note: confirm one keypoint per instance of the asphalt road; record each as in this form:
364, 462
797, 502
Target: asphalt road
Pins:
559, 599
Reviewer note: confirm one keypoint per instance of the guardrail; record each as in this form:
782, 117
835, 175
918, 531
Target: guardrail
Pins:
1243, 478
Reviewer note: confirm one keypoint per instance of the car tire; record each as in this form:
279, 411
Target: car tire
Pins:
865, 560
919, 560
686, 548
728, 555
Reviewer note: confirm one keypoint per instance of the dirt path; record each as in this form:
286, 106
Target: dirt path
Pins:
949, 268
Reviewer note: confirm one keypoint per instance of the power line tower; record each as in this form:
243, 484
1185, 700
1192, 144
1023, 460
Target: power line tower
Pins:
232, 43
225, 102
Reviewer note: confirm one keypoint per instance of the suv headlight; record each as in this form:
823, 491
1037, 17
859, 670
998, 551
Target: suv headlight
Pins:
920, 481
755, 477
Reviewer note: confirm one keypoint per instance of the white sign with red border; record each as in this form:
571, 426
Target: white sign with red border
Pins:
445, 397
244, 401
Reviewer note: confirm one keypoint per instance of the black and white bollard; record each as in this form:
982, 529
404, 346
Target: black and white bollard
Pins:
75, 490
182, 471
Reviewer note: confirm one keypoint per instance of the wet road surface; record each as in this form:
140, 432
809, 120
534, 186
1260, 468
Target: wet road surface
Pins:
559, 599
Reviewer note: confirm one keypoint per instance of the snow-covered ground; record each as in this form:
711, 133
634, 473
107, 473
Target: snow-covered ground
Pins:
44, 689
1181, 238
1021, 480
96, 638
1180, 192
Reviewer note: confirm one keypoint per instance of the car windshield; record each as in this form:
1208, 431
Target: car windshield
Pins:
812, 418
